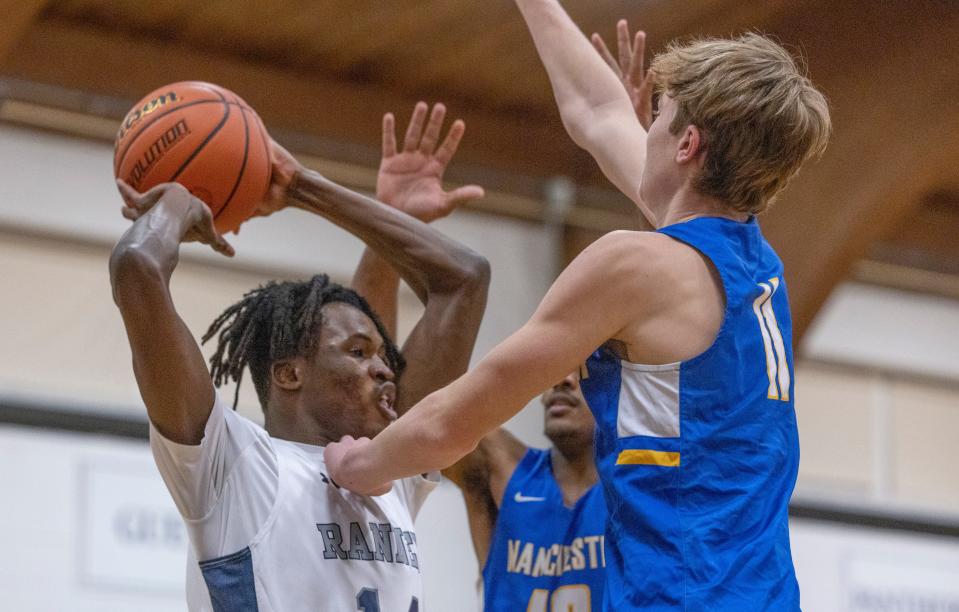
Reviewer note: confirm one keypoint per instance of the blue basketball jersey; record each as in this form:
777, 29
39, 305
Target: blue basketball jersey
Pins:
543, 555
698, 459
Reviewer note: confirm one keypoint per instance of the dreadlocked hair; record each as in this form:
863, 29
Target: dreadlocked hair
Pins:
280, 320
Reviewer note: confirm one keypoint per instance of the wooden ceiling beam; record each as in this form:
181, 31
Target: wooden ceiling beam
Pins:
89, 59
17, 17
892, 86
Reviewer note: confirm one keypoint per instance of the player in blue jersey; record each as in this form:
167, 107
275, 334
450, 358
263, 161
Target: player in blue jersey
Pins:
537, 516
691, 383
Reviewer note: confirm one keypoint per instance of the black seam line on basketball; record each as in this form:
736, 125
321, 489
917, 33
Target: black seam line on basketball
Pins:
153, 120
205, 142
246, 154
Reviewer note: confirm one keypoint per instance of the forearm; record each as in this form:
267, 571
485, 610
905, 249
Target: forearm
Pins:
583, 84
424, 440
450, 423
377, 281
426, 259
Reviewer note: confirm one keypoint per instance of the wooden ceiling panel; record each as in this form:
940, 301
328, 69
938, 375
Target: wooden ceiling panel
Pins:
334, 110
330, 67
147, 16
18, 17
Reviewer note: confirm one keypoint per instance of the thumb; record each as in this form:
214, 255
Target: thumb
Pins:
138, 200
464, 194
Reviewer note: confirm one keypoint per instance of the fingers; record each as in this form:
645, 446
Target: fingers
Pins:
129, 194
221, 246
604, 53
389, 135
462, 195
625, 47
448, 149
207, 233
432, 134
414, 130
638, 59
138, 200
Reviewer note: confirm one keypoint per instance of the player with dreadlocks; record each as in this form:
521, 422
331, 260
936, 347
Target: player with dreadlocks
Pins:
261, 329
269, 529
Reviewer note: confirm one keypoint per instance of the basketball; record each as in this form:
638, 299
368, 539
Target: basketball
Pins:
202, 136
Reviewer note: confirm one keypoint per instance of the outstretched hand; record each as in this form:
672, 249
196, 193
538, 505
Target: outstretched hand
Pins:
411, 179
201, 219
629, 68
335, 458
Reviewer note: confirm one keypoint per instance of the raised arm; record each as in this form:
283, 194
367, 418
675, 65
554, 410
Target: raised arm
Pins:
410, 179
450, 279
596, 110
170, 371
604, 285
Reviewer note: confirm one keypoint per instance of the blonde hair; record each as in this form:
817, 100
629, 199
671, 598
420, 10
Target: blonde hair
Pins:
761, 117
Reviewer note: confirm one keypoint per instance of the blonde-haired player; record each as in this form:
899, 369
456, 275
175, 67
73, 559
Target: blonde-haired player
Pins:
692, 383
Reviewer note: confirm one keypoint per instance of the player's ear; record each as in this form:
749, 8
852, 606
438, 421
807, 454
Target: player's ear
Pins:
287, 374
691, 145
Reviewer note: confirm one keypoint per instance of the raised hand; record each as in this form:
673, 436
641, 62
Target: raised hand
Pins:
629, 68
411, 179
201, 228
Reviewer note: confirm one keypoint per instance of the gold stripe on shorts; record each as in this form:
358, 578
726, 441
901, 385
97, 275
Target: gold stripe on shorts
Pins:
647, 457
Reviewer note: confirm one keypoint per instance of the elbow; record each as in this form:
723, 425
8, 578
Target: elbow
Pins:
474, 287
132, 270
477, 273
471, 276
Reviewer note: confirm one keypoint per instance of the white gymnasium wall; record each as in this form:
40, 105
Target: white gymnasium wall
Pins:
858, 569
878, 403
91, 528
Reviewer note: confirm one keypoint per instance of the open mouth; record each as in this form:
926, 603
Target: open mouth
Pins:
387, 400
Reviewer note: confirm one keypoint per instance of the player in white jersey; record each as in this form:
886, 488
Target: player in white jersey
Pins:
269, 529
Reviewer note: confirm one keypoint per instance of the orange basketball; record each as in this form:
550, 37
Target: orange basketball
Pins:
202, 136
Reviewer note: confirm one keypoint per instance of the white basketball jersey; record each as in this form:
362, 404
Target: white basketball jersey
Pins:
311, 546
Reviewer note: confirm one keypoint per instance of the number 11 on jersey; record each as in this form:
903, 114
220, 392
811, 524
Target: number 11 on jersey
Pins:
777, 367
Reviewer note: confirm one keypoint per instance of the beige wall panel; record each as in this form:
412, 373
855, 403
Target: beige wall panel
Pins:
835, 431
63, 337
925, 429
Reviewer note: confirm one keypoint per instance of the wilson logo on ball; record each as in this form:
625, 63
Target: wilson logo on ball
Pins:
134, 116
